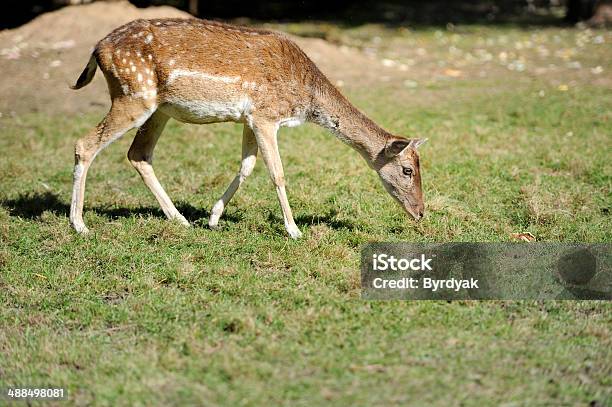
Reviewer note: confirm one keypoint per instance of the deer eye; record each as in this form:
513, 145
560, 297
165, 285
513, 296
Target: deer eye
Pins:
407, 171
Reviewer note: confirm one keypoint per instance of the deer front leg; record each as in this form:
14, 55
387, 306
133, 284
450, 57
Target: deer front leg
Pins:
267, 142
249, 156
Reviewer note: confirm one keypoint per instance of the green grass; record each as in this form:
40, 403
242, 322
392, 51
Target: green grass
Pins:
143, 311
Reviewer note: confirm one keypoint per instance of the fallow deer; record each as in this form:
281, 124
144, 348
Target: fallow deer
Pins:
199, 71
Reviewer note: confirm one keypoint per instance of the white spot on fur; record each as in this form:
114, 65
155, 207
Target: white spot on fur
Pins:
148, 39
150, 57
139, 77
146, 94
133, 68
171, 63
124, 60
178, 73
149, 82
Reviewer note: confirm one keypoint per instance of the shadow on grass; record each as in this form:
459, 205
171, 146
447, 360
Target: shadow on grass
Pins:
330, 219
32, 205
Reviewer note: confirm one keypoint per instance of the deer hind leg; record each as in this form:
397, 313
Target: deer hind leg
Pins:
140, 156
123, 116
249, 156
268, 145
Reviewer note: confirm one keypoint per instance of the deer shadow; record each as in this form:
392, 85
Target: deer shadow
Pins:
32, 206
330, 219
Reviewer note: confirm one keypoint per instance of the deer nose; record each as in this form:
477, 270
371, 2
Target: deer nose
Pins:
420, 212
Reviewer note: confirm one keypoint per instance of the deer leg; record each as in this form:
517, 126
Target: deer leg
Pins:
123, 116
249, 156
268, 145
140, 156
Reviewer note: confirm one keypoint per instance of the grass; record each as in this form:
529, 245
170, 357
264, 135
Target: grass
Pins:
143, 311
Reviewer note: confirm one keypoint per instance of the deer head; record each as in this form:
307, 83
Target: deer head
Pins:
398, 168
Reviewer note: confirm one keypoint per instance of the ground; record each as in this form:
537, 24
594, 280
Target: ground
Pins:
144, 311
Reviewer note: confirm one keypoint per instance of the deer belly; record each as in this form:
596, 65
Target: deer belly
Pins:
207, 111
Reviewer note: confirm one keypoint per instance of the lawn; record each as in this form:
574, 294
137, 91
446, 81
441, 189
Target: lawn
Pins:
144, 311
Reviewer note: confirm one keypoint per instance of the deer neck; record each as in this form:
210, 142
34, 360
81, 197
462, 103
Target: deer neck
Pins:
333, 111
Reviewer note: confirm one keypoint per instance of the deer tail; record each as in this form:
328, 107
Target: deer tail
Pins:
87, 74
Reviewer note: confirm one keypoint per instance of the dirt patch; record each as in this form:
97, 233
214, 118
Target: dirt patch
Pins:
39, 60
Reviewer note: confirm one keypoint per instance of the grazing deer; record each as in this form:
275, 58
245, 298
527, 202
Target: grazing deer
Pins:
199, 71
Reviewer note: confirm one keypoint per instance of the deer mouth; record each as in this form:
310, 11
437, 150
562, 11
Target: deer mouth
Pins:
416, 211
416, 215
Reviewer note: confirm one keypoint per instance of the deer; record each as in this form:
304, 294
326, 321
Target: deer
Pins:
198, 71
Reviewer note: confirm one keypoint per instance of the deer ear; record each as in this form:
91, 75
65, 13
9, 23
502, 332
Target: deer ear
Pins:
395, 147
417, 142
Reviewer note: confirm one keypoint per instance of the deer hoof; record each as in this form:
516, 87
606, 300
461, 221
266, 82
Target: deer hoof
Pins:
80, 228
181, 219
294, 232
